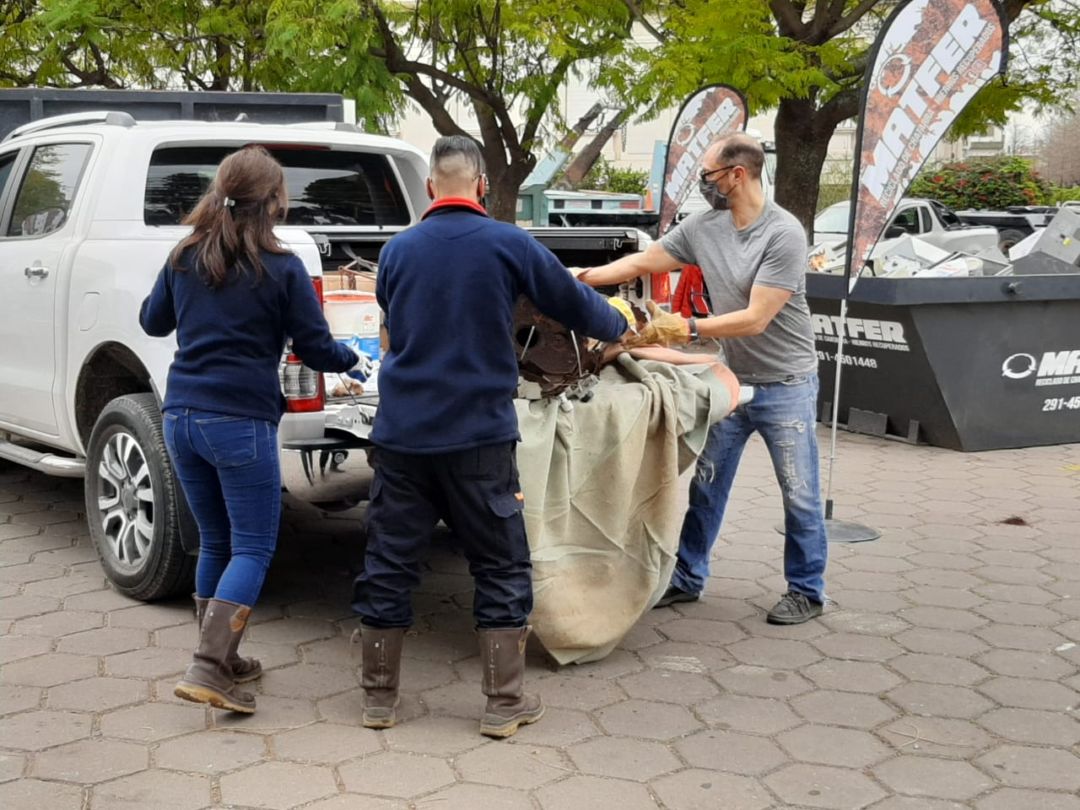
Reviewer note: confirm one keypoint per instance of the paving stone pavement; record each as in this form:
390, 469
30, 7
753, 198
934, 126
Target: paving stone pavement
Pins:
946, 673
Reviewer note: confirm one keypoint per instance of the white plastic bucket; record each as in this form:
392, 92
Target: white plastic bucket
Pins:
349, 313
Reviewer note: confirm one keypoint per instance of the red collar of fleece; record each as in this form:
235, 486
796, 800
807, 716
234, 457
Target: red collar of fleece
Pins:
455, 202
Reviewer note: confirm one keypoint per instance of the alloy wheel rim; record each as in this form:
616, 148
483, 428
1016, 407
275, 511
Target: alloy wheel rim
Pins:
126, 502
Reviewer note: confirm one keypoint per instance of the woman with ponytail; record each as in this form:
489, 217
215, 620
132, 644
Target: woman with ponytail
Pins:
233, 294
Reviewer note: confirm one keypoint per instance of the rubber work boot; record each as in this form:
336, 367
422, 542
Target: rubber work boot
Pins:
675, 594
243, 669
379, 674
502, 653
209, 677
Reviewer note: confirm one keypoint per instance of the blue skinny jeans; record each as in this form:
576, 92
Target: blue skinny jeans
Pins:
229, 469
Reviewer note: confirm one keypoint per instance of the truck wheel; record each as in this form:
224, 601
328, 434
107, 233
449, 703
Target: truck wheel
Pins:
133, 501
1009, 237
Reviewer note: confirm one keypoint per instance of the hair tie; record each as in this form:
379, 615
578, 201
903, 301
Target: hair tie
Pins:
229, 202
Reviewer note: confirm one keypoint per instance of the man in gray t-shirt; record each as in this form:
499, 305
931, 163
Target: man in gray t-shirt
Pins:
769, 252
753, 256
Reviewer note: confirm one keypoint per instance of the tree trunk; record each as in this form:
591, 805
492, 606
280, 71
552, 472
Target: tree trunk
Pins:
802, 143
503, 189
570, 139
221, 69
580, 166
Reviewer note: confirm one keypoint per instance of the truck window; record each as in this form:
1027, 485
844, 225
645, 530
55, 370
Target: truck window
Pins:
326, 187
6, 163
48, 189
907, 220
947, 217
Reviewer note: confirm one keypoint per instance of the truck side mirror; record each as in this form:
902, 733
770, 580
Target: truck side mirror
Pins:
893, 231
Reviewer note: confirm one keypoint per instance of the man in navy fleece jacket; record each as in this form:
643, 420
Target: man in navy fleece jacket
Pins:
446, 431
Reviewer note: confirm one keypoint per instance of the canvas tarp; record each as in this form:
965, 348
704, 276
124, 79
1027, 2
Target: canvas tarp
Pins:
603, 504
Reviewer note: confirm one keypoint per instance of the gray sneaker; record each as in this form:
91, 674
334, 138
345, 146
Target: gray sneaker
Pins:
794, 608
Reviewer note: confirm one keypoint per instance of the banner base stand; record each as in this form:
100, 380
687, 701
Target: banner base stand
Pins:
844, 531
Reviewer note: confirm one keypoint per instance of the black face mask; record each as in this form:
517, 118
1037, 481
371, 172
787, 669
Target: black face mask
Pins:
713, 196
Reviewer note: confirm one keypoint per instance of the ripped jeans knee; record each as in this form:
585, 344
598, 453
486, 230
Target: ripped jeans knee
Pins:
797, 465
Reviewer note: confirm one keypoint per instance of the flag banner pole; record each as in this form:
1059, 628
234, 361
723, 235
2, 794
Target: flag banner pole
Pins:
835, 410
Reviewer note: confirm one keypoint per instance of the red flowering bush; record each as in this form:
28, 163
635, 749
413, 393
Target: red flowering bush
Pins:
991, 183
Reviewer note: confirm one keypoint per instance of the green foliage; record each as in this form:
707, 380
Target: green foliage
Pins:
454, 58
983, 184
735, 42
835, 183
777, 50
808, 61
604, 176
1060, 194
166, 44
486, 66
831, 193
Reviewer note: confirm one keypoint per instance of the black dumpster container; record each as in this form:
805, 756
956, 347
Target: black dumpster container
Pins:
968, 364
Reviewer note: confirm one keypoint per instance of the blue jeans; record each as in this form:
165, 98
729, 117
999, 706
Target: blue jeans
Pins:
784, 413
231, 475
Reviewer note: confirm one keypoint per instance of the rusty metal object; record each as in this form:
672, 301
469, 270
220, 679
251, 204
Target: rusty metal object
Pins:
549, 353
552, 355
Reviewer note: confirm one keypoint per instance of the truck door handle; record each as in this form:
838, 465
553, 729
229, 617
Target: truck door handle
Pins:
36, 272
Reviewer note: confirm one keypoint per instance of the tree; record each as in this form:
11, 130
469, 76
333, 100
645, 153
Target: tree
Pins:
1060, 151
499, 63
139, 43
807, 60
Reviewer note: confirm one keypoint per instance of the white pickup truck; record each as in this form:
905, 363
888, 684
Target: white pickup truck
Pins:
90, 205
926, 219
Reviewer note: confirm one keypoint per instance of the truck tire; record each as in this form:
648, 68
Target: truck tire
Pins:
1009, 237
134, 504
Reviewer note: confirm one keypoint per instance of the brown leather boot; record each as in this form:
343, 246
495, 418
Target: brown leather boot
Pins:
379, 674
243, 669
502, 653
209, 678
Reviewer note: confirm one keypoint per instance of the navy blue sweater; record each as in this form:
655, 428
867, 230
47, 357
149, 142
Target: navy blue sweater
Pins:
229, 340
447, 288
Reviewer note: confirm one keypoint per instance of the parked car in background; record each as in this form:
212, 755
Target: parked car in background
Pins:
925, 219
1013, 224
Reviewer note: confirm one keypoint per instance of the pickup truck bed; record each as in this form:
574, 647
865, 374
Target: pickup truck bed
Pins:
332, 471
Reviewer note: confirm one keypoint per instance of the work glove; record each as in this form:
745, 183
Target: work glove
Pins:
623, 308
364, 364
663, 328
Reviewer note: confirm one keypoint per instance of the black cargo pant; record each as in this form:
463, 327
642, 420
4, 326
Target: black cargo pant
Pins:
476, 493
